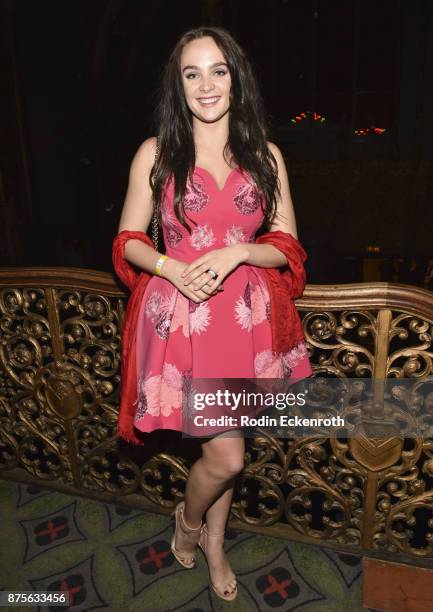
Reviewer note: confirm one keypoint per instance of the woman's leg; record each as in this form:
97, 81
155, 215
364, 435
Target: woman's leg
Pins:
210, 490
216, 519
220, 571
218, 512
211, 476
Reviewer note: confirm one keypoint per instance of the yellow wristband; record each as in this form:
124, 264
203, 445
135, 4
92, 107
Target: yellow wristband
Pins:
160, 263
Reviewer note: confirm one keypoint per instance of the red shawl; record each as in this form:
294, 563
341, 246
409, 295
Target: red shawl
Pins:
283, 288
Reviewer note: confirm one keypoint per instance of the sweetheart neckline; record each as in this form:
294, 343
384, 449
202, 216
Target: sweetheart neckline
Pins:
230, 174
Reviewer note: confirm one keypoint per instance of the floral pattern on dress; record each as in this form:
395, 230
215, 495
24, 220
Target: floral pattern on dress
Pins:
247, 199
234, 235
251, 308
141, 401
243, 310
196, 197
160, 394
181, 316
201, 237
199, 316
159, 308
258, 306
172, 233
295, 355
268, 364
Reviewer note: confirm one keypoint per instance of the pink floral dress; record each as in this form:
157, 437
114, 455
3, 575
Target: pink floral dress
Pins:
228, 335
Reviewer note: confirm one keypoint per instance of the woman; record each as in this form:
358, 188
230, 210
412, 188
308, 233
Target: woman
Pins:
205, 312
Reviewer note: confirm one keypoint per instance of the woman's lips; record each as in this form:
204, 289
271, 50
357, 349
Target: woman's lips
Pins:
209, 101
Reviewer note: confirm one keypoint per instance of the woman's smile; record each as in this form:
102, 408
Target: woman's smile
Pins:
209, 101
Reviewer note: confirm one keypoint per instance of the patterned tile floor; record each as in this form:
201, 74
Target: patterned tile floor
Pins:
119, 559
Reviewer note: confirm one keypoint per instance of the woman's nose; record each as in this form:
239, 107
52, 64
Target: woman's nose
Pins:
206, 84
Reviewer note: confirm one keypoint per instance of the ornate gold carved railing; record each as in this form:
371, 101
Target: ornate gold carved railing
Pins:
59, 392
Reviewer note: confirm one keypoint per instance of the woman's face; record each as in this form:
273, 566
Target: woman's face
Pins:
206, 79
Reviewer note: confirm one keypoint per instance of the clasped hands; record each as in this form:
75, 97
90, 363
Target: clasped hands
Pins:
194, 280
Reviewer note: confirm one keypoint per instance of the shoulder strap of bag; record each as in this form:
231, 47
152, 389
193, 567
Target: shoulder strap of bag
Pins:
155, 217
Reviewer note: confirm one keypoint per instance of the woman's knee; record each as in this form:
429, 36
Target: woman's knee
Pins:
228, 467
236, 465
226, 460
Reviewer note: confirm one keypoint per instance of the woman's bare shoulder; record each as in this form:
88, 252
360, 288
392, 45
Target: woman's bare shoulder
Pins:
145, 155
274, 150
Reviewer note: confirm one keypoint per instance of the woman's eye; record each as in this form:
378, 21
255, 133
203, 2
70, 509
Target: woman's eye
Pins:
191, 75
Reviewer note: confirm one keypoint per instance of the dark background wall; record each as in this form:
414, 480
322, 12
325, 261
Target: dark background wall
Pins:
79, 88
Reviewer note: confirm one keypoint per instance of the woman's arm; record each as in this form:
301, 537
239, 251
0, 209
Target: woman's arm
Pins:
136, 215
138, 207
266, 255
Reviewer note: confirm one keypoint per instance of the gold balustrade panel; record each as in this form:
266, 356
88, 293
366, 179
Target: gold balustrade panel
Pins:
59, 394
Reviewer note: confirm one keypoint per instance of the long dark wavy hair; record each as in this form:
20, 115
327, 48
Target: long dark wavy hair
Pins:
246, 143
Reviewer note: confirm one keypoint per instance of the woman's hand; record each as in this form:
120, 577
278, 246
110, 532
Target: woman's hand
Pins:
172, 270
222, 261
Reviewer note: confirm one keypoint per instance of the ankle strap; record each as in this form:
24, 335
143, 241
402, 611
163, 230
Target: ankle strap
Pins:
212, 534
181, 511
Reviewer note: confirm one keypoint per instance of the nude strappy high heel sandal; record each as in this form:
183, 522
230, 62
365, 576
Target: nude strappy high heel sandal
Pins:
202, 545
180, 523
